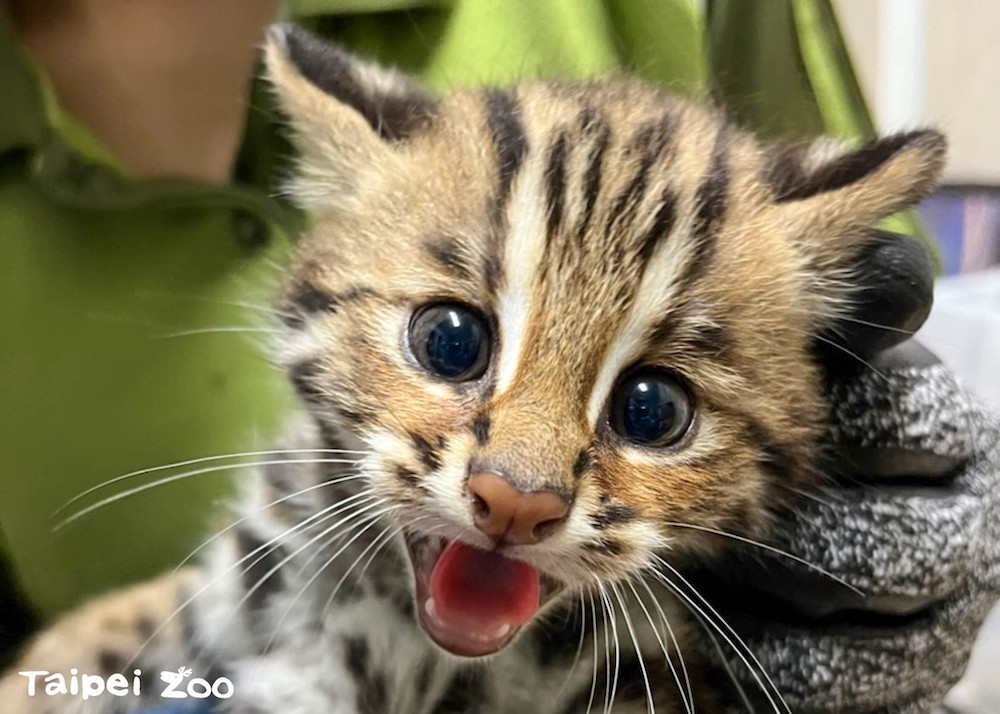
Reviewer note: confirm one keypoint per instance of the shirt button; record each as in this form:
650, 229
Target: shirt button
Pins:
251, 231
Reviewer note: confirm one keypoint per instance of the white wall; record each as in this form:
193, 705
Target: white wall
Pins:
961, 74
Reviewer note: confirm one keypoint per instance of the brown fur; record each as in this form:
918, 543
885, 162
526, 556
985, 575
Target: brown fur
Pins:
597, 227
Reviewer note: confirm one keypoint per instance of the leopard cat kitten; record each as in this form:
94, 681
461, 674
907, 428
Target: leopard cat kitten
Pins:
562, 334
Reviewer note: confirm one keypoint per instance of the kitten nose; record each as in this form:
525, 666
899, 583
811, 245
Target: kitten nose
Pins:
503, 512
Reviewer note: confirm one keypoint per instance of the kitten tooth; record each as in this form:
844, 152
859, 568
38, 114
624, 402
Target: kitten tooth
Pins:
430, 609
502, 631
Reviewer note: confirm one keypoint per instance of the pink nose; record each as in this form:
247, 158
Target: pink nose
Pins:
505, 513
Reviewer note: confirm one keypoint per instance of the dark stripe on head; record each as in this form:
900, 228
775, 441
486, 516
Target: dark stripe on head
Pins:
710, 209
593, 123
447, 253
649, 143
663, 222
503, 117
555, 182
612, 516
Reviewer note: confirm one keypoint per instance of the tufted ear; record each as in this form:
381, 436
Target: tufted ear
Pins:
832, 193
346, 114
831, 198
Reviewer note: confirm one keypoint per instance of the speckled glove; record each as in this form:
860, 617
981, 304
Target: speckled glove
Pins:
906, 529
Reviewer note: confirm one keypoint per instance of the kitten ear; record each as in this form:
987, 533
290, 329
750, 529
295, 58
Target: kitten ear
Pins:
345, 113
829, 191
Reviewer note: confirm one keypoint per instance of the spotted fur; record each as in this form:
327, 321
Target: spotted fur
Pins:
597, 227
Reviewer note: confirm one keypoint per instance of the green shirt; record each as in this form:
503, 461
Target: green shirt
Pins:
133, 314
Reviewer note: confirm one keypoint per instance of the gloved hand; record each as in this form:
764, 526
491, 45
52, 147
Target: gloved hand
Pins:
909, 516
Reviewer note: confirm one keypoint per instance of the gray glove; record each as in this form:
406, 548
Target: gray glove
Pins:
909, 518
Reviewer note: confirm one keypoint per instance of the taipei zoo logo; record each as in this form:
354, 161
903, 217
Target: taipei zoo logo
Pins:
177, 684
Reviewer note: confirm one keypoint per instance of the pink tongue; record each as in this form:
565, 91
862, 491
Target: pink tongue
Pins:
480, 591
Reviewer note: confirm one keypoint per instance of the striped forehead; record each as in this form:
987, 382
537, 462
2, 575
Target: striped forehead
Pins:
606, 222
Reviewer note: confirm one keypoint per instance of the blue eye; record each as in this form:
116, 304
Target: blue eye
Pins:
651, 407
451, 341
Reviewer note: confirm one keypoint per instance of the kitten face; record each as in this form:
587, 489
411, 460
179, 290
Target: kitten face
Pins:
570, 324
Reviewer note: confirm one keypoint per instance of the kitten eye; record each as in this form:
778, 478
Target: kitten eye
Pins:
450, 340
651, 407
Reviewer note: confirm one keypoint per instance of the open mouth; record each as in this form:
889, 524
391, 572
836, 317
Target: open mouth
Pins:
473, 602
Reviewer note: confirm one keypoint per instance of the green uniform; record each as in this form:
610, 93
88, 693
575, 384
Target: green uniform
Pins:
122, 345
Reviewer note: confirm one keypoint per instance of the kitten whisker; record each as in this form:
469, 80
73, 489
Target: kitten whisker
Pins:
718, 622
343, 578
272, 504
663, 646
62, 525
651, 707
319, 515
255, 307
192, 462
771, 549
593, 623
609, 608
676, 646
221, 329
369, 519
852, 354
579, 646
811, 495
311, 580
887, 328
744, 697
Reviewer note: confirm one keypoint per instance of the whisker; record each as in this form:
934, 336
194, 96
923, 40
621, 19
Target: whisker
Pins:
887, 328
309, 582
635, 644
223, 329
212, 301
811, 495
371, 519
192, 462
677, 648
663, 648
179, 477
770, 549
607, 654
272, 504
329, 511
614, 632
743, 652
852, 354
343, 578
725, 663
579, 646
593, 622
